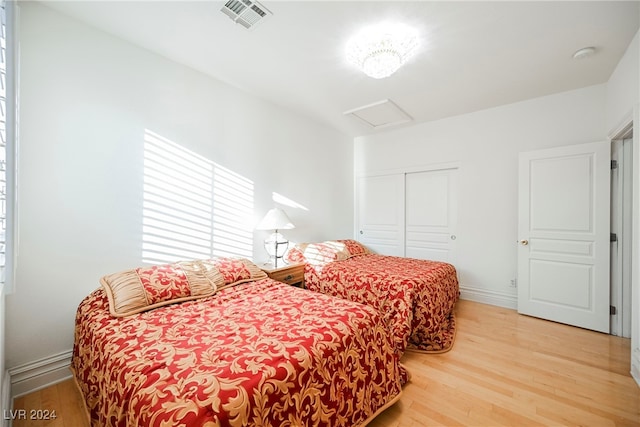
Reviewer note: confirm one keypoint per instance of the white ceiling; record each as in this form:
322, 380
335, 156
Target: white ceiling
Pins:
473, 55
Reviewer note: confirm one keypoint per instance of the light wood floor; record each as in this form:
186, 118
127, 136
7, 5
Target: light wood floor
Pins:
504, 370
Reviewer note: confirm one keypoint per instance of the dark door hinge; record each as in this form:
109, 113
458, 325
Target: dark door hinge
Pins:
613, 237
614, 164
612, 310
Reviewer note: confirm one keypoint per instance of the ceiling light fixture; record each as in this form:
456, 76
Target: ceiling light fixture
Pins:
584, 52
379, 50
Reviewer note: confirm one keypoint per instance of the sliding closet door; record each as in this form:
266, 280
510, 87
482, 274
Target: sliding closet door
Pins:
380, 213
430, 214
410, 214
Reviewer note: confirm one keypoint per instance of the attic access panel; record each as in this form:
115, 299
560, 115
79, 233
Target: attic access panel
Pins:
380, 114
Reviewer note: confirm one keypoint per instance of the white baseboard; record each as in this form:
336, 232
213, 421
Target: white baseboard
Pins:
635, 365
488, 297
42, 373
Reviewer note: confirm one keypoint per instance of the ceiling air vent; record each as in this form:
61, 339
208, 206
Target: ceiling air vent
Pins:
246, 12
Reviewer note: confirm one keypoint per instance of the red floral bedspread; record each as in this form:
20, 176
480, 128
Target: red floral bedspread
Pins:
260, 353
417, 297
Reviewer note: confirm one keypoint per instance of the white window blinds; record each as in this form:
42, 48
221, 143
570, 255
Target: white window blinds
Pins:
7, 146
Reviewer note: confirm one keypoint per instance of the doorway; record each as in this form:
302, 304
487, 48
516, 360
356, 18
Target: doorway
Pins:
621, 232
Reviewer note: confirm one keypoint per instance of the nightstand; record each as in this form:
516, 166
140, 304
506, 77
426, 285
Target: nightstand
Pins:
292, 274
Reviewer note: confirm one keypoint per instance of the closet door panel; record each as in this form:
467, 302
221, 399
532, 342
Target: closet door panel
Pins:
380, 213
431, 212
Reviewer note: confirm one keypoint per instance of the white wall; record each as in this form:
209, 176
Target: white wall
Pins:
486, 145
623, 87
86, 101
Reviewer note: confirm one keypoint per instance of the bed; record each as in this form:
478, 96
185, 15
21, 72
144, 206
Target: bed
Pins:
416, 297
216, 343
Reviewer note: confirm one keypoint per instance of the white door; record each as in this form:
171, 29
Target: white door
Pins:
563, 227
431, 212
380, 213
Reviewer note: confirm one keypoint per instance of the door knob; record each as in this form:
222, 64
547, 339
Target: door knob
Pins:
524, 242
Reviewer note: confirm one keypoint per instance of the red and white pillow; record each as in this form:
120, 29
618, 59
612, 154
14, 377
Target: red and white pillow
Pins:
145, 288
325, 252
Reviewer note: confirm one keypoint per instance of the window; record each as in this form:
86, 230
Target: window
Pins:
8, 150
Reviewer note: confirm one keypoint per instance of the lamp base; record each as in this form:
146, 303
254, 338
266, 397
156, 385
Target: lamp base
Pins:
276, 246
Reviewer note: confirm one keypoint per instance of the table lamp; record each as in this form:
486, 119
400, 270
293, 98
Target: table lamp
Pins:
275, 244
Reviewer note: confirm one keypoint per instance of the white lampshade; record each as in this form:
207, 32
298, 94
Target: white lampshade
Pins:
275, 219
